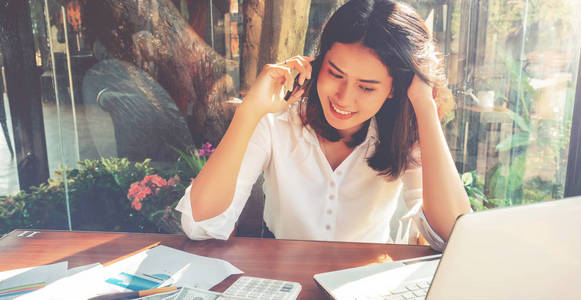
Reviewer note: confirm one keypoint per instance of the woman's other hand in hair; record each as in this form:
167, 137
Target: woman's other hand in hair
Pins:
420, 92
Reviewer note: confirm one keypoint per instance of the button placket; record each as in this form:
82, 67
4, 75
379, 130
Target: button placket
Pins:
329, 213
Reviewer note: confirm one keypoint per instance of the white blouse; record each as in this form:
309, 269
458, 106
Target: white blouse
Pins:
305, 199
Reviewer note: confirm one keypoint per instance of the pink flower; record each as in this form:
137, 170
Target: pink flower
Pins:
136, 205
133, 190
206, 150
173, 181
151, 184
138, 192
154, 179
145, 190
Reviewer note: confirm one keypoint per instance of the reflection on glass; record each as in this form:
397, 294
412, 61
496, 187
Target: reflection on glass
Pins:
8, 171
515, 76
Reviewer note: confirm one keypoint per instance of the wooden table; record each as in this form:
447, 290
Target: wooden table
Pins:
276, 259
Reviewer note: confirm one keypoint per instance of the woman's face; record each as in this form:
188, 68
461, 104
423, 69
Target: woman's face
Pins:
352, 85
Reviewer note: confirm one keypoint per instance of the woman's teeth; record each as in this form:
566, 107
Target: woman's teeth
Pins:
340, 111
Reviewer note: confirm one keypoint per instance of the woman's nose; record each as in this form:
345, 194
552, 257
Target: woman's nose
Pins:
343, 93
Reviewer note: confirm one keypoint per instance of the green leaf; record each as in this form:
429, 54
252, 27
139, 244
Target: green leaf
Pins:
521, 122
516, 172
516, 140
161, 211
467, 178
476, 204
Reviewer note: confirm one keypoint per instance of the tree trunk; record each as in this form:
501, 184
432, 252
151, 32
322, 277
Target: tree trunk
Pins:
253, 11
274, 31
154, 36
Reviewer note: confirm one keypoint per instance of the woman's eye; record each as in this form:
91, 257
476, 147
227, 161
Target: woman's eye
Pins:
335, 75
366, 89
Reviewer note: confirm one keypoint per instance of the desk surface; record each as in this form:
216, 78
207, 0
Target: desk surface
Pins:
269, 258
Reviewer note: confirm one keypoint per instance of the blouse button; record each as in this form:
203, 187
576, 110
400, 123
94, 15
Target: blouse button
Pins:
331, 197
329, 211
332, 183
328, 227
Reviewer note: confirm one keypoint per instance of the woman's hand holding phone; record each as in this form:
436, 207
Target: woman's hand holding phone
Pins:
269, 92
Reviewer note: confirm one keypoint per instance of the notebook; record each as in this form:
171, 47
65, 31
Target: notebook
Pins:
524, 252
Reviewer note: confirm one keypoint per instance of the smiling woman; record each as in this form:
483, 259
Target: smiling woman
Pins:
336, 161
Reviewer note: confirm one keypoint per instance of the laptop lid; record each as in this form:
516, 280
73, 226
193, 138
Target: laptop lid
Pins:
521, 252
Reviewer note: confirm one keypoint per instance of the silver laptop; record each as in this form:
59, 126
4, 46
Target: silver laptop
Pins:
523, 252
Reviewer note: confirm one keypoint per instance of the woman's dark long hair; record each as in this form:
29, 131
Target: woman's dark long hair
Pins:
403, 43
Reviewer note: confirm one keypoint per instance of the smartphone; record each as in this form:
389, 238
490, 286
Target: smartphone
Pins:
296, 87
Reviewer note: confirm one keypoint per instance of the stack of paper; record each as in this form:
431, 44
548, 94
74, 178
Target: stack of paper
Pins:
156, 267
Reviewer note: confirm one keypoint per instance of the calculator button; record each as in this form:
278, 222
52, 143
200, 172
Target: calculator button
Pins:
399, 291
262, 289
409, 296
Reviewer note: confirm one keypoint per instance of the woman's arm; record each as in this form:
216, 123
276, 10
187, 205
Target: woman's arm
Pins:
213, 190
444, 197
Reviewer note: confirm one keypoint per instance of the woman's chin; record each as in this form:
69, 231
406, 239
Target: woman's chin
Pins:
342, 126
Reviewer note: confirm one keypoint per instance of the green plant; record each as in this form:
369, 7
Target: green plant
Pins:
504, 180
191, 161
100, 187
11, 214
156, 195
506, 183
473, 187
97, 192
156, 198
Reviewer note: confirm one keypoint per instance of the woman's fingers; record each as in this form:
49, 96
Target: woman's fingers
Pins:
299, 65
419, 90
269, 90
295, 96
307, 63
283, 81
302, 64
288, 80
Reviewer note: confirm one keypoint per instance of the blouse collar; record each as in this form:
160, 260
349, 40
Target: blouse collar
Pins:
308, 133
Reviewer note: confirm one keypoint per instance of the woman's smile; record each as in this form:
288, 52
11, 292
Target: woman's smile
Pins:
339, 113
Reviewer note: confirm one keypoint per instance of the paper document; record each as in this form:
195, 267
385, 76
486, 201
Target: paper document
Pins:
19, 282
157, 267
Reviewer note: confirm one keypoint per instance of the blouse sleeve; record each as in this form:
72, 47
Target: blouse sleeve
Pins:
221, 226
412, 196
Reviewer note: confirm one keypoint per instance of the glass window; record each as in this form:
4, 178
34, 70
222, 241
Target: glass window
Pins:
513, 67
8, 171
135, 94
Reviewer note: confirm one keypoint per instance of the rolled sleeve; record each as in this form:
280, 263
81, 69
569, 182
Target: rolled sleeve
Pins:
412, 194
217, 227
420, 224
221, 226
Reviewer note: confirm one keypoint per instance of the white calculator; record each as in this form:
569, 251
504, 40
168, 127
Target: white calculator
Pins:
254, 288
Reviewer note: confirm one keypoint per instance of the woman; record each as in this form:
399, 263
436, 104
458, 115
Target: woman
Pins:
336, 160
